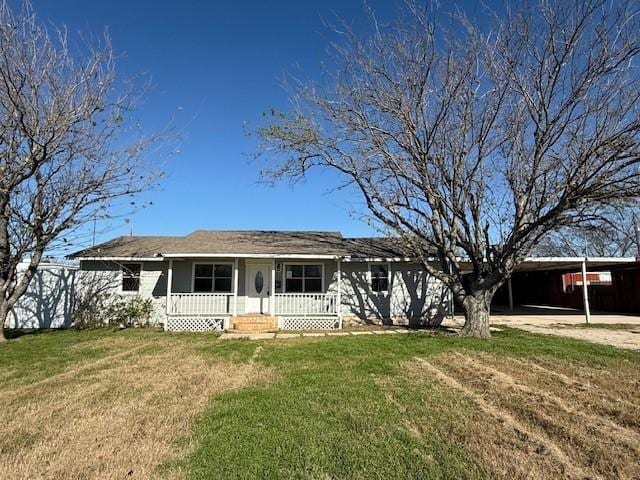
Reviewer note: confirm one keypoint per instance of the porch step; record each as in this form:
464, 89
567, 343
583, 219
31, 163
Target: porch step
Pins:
253, 323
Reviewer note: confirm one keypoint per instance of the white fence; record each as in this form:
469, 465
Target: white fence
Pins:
49, 299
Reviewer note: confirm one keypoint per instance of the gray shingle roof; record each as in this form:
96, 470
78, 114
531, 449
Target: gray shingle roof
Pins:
259, 242
374, 247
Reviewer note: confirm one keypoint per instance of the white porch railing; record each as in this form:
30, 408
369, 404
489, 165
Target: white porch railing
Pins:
200, 303
306, 304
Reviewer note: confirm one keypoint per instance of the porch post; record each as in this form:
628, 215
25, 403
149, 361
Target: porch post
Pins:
510, 291
272, 299
585, 291
339, 300
235, 287
169, 282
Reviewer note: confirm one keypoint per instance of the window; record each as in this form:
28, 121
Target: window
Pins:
208, 277
303, 278
131, 277
379, 278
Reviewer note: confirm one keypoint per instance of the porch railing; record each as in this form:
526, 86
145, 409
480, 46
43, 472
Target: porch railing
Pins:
284, 304
306, 304
200, 303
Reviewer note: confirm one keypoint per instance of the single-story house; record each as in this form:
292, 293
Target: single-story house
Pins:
214, 280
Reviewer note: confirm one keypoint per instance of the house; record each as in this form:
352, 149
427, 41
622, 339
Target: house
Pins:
215, 280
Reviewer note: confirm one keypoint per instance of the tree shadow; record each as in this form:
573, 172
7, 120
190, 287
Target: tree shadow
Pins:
48, 302
53, 297
15, 333
417, 300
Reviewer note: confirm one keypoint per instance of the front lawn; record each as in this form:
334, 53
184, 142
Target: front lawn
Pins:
142, 404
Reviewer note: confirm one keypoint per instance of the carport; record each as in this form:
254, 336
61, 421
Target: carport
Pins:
542, 282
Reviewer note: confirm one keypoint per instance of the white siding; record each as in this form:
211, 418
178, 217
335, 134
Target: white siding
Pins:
414, 297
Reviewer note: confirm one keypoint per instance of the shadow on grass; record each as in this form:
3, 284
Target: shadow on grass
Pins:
12, 333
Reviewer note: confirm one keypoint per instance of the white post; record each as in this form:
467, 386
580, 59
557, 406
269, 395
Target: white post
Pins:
510, 291
585, 291
169, 282
272, 299
235, 287
339, 300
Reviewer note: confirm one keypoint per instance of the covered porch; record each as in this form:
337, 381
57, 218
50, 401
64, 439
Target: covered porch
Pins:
215, 292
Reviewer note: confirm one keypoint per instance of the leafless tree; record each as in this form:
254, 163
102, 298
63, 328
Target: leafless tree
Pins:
471, 141
69, 144
614, 234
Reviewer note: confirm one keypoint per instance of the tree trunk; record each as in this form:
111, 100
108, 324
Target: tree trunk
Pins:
476, 315
4, 313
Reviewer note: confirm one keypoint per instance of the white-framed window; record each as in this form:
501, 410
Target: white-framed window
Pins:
379, 277
131, 277
212, 277
303, 278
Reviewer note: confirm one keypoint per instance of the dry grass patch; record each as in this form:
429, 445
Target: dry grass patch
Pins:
116, 417
543, 418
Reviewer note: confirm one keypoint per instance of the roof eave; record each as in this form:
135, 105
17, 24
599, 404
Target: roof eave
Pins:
329, 256
121, 259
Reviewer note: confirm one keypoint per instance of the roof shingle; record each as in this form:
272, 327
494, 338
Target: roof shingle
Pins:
245, 242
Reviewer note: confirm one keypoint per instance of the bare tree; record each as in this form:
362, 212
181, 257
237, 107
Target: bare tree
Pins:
69, 144
614, 234
471, 143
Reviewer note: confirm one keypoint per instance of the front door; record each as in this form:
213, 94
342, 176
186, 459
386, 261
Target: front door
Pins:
258, 287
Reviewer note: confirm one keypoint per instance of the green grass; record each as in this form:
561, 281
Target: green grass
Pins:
339, 407
340, 410
35, 355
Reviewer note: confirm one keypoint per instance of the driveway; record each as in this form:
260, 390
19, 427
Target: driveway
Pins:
622, 331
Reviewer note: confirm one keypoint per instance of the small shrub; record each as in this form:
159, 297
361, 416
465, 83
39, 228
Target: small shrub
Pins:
89, 311
103, 310
128, 312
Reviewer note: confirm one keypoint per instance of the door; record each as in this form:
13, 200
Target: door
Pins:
258, 287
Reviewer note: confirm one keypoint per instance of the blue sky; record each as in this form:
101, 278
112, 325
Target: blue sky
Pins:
217, 66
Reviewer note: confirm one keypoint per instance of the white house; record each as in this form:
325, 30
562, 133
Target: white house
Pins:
214, 280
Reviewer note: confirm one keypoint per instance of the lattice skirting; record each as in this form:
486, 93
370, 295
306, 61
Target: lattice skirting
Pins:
195, 324
309, 323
